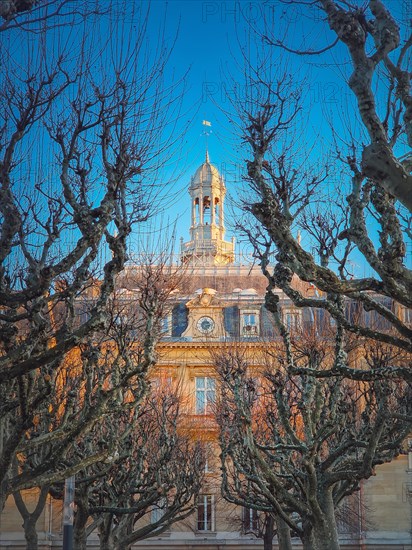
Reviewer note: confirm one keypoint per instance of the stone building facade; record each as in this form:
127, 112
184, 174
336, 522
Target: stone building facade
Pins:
221, 302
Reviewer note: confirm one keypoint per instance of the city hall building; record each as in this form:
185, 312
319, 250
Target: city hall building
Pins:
221, 302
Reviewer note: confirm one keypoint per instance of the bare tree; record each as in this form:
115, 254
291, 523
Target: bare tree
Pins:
81, 139
339, 411
373, 39
98, 383
295, 446
262, 525
31, 15
10, 9
286, 194
153, 482
30, 518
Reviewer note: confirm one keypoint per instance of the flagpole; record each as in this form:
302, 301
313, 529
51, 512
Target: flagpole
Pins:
206, 133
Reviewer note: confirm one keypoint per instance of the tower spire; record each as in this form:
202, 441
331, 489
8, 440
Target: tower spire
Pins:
206, 133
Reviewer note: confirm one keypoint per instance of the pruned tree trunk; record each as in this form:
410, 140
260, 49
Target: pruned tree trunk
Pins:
120, 535
308, 541
106, 543
30, 518
105, 535
3, 495
80, 522
325, 532
284, 538
269, 531
30, 534
325, 537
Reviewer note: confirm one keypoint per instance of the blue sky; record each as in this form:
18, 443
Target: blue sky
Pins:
209, 37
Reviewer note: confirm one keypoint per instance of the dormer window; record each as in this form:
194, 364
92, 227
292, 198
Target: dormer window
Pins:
292, 318
249, 324
166, 326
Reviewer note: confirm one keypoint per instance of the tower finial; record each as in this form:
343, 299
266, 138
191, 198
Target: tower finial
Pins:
207, 155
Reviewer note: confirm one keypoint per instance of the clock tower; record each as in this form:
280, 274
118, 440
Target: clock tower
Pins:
207, 245
205, 317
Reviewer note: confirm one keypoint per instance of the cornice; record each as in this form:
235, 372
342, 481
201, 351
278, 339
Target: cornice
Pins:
215, 343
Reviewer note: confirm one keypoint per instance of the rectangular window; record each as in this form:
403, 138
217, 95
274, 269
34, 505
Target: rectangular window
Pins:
347, 516
250, 319
207, 465
166, 326
250, 324
205, 513
292, 320
289, 320
210, 457
205, 394
162, 383
83, 310
158, 511
250, 520
406, 315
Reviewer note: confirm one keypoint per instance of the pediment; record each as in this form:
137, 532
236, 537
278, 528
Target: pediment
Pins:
206, 298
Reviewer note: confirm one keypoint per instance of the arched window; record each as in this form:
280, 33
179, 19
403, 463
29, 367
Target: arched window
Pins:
196, 211
217, 211
206, 210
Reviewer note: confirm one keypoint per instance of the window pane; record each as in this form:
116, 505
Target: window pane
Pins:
200, 515
158, 511
210, 396
208, 513
205, 513
210, 399
200, 402
205, 394
250, 325
210, 383
250, 519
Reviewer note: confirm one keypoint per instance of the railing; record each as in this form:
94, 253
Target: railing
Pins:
199, 422
240, 259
